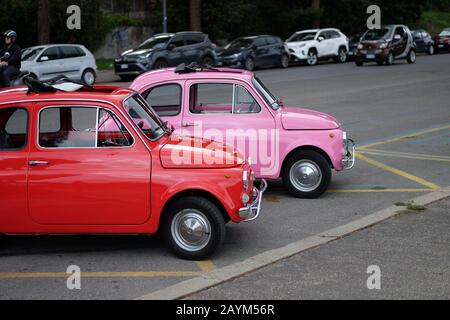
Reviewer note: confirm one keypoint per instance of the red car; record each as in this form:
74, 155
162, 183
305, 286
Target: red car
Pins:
442, 41
98, 160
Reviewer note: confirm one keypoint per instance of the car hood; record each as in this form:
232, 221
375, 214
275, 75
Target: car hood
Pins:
296, 43
294, 118
229, 52
183, 152
136, 53
375, 44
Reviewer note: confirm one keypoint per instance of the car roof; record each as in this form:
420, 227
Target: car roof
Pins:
56, 45
164, 75
107, 94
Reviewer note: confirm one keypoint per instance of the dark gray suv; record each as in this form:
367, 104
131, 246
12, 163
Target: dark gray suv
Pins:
166, 50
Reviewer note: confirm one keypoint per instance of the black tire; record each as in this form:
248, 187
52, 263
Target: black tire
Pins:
89, 76
127, 78
208, 61
160, 64
284, 61
249, 64
341, 56
359, 63
308, 158
390, 60
208, 211
411, 58
312, 59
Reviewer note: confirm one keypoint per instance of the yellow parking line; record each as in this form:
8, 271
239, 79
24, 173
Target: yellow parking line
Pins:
377, 190
407, 153
206, 266
399, 172
404, 156
414, 135
149, 274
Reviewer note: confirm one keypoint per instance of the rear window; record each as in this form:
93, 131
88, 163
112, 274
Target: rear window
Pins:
13, 128
71, 52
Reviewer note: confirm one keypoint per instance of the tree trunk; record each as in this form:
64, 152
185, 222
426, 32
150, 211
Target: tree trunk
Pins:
43, 22
196, 17
316, 10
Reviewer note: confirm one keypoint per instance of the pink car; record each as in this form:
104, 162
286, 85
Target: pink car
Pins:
233, 106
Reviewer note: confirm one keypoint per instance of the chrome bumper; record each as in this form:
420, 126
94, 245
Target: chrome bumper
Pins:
252, 211
350, 158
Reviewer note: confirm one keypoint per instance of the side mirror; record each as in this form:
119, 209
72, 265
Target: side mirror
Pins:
320, 39
397, 37
44, 58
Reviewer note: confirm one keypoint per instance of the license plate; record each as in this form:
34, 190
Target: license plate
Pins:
370, 56
441, 46
124, 66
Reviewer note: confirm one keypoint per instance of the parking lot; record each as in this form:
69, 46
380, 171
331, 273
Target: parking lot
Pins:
398, 115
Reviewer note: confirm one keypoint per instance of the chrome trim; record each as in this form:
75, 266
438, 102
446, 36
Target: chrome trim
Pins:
349, 160
252, 211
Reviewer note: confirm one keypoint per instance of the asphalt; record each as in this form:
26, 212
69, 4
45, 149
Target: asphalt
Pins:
374, 104
410, 250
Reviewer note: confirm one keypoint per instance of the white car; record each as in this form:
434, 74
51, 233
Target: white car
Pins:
311, 46
48, 61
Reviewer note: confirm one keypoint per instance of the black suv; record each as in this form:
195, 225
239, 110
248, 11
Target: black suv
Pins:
423, 40
252, 52
166, 50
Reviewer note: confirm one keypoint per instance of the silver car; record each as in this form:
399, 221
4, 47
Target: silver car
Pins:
48, 61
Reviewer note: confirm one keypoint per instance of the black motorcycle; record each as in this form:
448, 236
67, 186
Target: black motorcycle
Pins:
18, 79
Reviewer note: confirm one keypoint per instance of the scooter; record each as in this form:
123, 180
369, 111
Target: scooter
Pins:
18, 79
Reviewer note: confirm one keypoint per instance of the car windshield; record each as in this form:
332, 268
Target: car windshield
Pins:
445, 33
239, 43
144, 117
377, 34
273, 101
155, 43
30, 54
302, 36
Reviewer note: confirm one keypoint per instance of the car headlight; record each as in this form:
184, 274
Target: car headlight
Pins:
143, 59
301, 45
360, 46
383, 46
245, 179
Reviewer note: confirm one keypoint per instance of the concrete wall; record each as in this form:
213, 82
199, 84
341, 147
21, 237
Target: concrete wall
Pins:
122, 39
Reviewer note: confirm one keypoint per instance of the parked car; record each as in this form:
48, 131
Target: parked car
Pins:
385, 45
442, 41
166, 50
353, 46
423, 40
47, 61
310, 46
99, 160
234, 106
254, 52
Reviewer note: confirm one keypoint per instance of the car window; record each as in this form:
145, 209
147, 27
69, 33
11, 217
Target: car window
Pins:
244, 102
209, 98
334, 34
30, 54
52, 53
68, 52
177, 41
165, 99
111, 132
13, 128
260, 42
303, 36
271, 40
194, 39
400, 31
325, 35
84, 127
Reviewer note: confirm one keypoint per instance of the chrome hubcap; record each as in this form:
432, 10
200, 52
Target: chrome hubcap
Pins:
413, 56
89, 78
305, 175
343, 56
312, 58
191, 230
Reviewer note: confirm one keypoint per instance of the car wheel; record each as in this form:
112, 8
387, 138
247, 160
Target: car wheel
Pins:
342, 56
89, 77
208, 61
411, 58
160, 64
307, 174
390, 59
431, 50
249, 64
284, 61
193, 228
312, 58
359, 63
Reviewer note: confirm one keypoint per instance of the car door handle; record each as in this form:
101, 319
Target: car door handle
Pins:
38, 163
187, 125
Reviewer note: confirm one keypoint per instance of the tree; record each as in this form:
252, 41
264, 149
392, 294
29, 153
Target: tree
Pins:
43, 22
195, 7
316, 12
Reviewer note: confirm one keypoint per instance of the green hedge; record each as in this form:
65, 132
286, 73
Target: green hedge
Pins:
434, 22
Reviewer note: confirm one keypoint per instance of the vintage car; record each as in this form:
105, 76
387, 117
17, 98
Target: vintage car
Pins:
83, 160
234, 107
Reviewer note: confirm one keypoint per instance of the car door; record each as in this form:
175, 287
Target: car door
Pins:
175, 52
231, 112
72, 61
87, 168
419, 40
14, 148
192, 50
275, 50
324, 45
401, 43
49, 63
166, 99
262, 51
